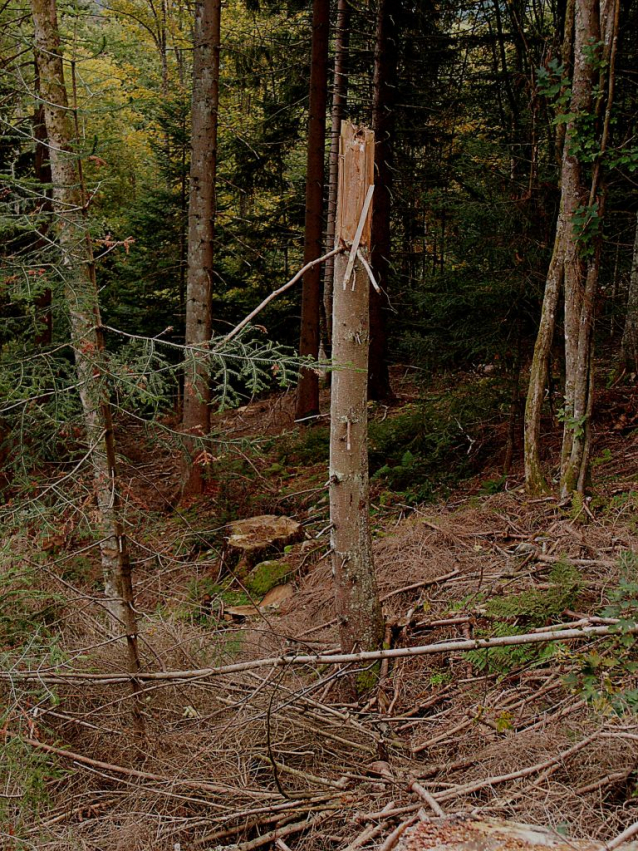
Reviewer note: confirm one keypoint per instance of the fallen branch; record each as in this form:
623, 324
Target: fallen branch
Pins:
632, 830
457, 646
432, 803
280, 833
475, 786
396, 834
134, 772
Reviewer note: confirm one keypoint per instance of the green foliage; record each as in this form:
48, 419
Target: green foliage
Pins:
437, 441
608, 675
537, 608
503, 660
26, 611
517, 614
305, 446
26, 773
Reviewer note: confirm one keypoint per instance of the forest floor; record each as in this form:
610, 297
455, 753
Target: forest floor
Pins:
246, 759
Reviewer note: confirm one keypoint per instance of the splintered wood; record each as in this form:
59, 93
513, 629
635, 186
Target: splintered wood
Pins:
469, 834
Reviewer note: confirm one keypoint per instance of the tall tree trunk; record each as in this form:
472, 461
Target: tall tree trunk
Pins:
308, 388
356, 597
201, 226
81, 294
534, 479
42, 169
339, 100
383, 124
629, 343
595, 23
576, 257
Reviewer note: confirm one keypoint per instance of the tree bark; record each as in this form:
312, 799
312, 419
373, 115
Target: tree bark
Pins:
356, 597
339, 100
576, 256
629, 343
383, 124
81, 295
201, 227
535, 481
594, 23
308, 388
42, 169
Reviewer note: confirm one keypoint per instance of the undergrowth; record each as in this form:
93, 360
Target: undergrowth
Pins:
517, 614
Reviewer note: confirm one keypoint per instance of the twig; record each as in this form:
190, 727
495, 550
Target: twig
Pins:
432, 803
605, 781
632, 830
311, 778
424, 584
280, 832
398, 811
371, 831
396, 834
277, 292
468, 788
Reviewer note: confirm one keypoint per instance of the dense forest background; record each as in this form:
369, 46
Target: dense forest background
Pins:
165, 168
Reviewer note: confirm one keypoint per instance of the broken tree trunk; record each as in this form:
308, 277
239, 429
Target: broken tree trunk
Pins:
356, 597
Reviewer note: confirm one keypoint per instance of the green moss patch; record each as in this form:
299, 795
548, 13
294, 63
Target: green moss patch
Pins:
267, 575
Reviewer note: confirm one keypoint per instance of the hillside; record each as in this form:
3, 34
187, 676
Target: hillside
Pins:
535, 733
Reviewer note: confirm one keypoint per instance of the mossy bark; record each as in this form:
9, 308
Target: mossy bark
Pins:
81, 296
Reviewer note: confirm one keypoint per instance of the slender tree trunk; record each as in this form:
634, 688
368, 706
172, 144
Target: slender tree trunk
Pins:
576, 257
339, 100
534, 479
308, 389
42, 169
201, 226
383, 123
82, 301
356, 597
595, 23
629, 344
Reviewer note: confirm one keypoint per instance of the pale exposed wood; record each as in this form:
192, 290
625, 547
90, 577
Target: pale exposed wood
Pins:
356, 597
432, 803
457, 646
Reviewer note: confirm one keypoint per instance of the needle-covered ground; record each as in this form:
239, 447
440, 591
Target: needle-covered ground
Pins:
543, 733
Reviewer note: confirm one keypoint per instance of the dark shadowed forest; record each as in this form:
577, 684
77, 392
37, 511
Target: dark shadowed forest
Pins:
318, 425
